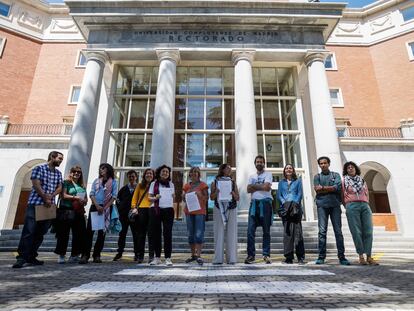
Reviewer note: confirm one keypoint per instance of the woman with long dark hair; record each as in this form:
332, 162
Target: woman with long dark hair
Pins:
103, 195
359, 215
289, 195
162, 196
196, 220
141, 205
225, 217
71, 215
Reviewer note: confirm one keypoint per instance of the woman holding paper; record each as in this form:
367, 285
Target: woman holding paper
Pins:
195, 194
71, 215
140, 206
103, 195
225, 195
162, 195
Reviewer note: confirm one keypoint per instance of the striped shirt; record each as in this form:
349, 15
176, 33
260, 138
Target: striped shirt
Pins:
49, 182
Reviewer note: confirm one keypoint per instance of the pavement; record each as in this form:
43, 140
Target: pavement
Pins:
125, 285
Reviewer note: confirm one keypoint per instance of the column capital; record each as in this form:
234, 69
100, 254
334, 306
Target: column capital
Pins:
237, 55
96, 55
315, 56
168, 54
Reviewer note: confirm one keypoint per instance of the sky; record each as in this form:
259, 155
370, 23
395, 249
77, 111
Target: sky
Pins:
351, 3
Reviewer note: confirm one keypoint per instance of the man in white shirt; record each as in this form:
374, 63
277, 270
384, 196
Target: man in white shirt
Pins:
260, 212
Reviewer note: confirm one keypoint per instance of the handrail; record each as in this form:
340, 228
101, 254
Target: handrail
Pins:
39, 129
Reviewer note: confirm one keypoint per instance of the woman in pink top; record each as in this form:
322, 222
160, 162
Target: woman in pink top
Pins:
358, 212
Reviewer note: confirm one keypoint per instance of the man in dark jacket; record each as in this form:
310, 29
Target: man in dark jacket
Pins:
123, 203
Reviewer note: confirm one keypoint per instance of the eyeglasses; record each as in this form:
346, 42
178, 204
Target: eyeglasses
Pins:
77, 172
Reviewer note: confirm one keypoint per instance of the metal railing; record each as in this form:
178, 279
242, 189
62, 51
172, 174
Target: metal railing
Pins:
39, 129
370, 132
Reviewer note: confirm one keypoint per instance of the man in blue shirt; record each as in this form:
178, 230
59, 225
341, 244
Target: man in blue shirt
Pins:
327, 185
47, 183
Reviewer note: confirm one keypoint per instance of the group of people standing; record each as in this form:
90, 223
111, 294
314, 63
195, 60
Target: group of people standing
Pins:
147, 208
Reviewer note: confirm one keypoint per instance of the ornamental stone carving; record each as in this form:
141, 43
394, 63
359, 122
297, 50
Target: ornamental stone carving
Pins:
168, 54
382, 23
237, 55
30, 20
348, 29
96, 55
63, 26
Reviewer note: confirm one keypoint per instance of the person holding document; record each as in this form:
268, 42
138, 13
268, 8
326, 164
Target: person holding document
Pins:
195, 194
162, 195
225, 195
71, 215
103, 195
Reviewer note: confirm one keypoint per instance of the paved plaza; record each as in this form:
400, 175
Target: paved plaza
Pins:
124, 285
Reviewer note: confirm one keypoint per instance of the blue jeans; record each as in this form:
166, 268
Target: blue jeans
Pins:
335, 214
265, 223
32, 235
196, 225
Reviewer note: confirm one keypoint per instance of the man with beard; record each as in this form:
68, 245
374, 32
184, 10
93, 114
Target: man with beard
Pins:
47, 183
260, 212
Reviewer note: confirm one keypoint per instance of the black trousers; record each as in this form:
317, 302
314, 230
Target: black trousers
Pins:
293, 240
78, 226
122, 235
161, 225
100, 240
142, 226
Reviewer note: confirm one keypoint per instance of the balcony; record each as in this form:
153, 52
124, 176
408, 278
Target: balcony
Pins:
370, 132
39, 129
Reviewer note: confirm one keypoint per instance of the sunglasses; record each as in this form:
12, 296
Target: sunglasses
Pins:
77, 172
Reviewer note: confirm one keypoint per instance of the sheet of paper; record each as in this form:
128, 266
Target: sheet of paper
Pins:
224, 187
97, 221
192, 202
81, 195
166, 199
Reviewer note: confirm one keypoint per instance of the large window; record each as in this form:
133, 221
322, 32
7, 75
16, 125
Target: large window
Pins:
204, 117
336, 98
330, 62
74, 94
4, 9
276, 119
133, 117
410, 49
408, 13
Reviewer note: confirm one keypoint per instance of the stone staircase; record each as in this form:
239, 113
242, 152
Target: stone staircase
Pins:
385, 242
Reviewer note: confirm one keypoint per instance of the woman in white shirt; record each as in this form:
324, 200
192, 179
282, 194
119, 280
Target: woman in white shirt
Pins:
162, 195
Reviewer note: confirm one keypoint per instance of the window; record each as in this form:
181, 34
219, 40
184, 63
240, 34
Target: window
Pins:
80, 60
74, 94
336, 98
330, 62
410, 48
2, 45
4, 9
408, 13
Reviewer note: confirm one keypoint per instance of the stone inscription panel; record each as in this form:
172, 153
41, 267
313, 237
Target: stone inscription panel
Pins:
206, 37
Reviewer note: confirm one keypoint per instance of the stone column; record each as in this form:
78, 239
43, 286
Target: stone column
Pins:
163, 131
245, 121
326, 137
82, 138
407, 128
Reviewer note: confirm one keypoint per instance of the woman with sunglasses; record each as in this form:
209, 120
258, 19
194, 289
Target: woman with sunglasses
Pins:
71, 215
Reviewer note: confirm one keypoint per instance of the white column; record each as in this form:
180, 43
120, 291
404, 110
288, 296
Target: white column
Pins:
326, 137
82, 139
163, 131
4, 123
245, 121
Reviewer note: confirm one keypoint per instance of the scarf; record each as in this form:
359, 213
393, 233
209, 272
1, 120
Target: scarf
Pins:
356, 183
107, 197
157, 191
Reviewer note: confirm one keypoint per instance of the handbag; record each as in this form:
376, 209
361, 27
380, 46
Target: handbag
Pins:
65, 215
131, 214
115, 225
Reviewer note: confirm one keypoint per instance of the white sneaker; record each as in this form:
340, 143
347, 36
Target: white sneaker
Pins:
155, 261
168, 262
61, 259
73, 259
